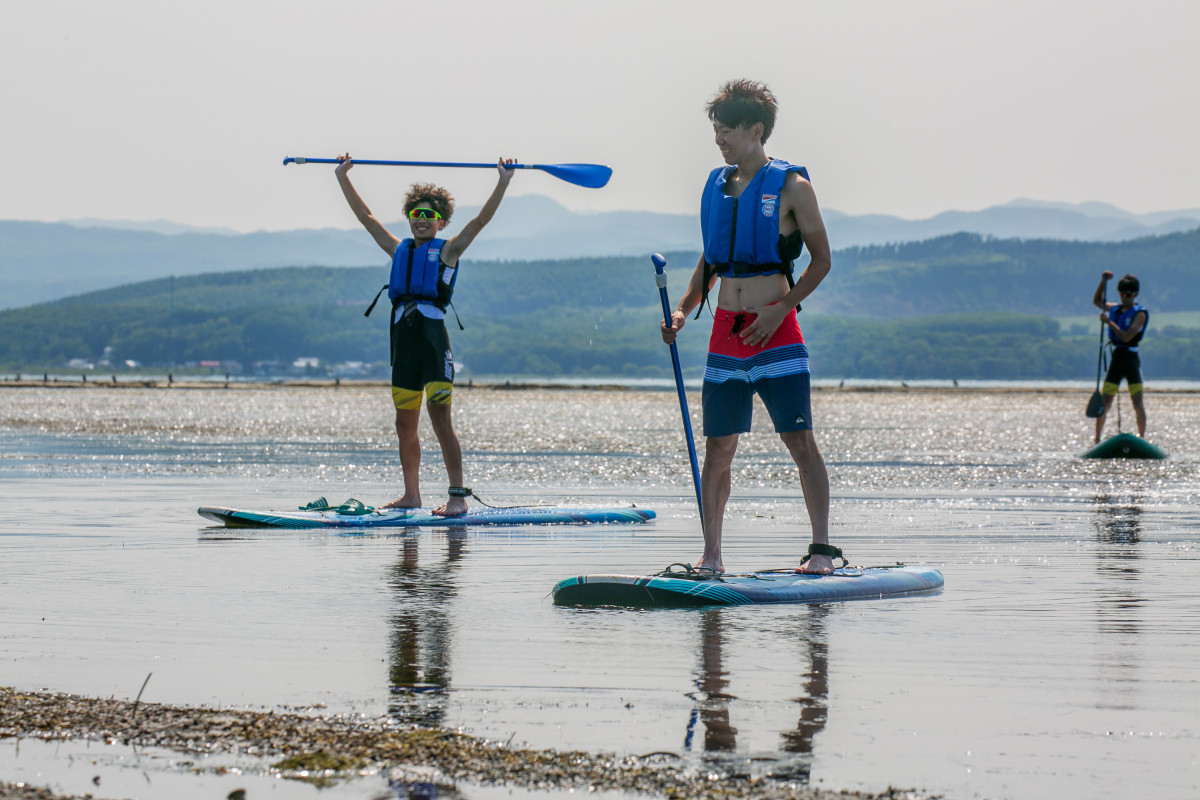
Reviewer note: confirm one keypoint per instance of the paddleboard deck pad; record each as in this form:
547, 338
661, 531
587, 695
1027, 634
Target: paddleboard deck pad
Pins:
422, 517
774, 586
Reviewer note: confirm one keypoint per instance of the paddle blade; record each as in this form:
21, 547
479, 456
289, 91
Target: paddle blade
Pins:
591, 176
1096, 405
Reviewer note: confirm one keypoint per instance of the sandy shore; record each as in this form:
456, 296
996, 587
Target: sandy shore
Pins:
184, 384
300, 745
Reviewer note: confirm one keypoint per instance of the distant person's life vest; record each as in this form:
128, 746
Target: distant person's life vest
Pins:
1123, 319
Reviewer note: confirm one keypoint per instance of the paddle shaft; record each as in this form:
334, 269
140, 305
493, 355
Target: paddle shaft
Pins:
378, 163
592, 176
1100, 358
660, 278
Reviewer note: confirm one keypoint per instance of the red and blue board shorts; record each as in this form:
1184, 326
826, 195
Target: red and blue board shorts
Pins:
735, 371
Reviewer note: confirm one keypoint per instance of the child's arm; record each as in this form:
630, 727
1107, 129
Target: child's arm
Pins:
462, 241
382, 238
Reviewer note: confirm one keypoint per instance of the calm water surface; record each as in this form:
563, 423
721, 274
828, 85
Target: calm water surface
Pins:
1059, 662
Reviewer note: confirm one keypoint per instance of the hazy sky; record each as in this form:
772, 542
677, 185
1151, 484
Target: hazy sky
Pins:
183, 110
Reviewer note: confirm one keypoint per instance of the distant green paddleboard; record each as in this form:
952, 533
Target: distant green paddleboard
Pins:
1124, 445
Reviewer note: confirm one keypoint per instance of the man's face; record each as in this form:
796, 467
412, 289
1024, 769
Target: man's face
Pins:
1128, 296
737, 143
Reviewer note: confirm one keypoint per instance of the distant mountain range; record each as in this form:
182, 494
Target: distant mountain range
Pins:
1020, 219
45, 261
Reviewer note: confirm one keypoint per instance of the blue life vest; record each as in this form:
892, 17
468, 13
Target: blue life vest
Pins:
1123, 319
417, 274
741, 234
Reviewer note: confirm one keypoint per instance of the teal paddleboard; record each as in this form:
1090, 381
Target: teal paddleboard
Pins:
749, 588
421, 517
1124, 445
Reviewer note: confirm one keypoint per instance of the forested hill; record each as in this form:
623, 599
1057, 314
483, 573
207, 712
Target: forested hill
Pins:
966, 272
981, 308
951, 274
42, 261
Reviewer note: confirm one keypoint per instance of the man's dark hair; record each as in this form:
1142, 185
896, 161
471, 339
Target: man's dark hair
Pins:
434, 196
743, 103
1129, 283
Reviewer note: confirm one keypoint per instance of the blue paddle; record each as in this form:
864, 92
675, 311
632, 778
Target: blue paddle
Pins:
592, 176
660, 278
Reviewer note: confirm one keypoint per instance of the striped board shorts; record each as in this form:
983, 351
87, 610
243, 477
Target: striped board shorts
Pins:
777, 371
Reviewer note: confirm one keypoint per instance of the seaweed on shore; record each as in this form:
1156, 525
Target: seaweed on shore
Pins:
343, 745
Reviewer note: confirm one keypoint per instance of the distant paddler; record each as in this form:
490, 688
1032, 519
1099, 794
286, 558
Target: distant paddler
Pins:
1126, 324
424, 271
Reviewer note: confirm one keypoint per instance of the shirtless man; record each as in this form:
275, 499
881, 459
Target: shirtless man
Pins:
757, 213
424, 270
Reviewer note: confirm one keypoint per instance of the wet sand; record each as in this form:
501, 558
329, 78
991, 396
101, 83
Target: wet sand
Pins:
307, 746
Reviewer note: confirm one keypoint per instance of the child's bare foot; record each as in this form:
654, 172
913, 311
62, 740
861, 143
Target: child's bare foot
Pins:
407, 501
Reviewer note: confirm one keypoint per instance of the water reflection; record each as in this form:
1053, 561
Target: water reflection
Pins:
713, 702
1118, 524
419, 790
421, 632
813, 700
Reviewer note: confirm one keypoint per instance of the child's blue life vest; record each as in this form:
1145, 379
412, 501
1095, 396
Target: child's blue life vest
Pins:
418, 274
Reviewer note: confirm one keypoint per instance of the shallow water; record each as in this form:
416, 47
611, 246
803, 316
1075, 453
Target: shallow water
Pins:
1059, 661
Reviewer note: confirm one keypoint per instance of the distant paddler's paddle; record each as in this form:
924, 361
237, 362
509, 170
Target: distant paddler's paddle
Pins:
660, 278
1095, 406
592, 176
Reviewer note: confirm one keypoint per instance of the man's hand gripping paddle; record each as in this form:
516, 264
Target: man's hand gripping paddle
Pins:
591, 176
660, 278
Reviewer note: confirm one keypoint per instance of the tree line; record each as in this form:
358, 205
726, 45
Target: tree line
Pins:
880, 314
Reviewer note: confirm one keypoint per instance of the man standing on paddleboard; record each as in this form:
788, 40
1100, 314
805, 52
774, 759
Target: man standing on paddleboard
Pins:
757, 213
1126, 322
424, 270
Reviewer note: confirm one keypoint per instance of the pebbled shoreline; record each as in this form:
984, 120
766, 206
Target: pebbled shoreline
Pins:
341, 745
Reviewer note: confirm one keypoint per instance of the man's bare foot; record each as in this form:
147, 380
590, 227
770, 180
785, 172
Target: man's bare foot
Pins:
454, 507
816, 565
404, 502
717, 567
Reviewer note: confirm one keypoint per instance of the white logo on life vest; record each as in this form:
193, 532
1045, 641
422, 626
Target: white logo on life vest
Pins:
768, 204
434, 255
